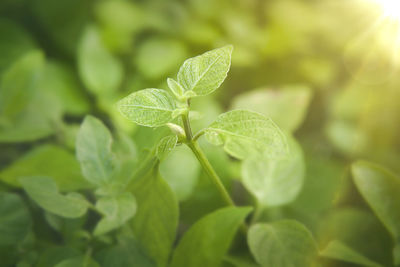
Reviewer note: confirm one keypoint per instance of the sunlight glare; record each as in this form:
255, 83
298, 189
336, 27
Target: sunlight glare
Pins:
391, 8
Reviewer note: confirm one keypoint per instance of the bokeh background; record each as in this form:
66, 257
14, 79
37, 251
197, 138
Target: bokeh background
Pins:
325, 70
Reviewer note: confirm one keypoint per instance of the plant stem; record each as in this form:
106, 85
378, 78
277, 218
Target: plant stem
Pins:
198, 152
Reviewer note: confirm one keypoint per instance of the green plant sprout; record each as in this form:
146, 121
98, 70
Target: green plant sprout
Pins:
242, 133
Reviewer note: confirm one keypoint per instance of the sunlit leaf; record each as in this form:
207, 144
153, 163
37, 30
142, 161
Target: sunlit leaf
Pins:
245, 133
205, 73
148, 107
165, 146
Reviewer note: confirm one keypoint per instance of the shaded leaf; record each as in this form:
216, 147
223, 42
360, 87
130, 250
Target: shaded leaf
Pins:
148, 107
47, 160
15, 220
82, 261
99, 70
44, 191
117, 210
282, 243
208, 240
245, 133
165, 146
93, 150
156, 220
205, 73
278, 181
339, 251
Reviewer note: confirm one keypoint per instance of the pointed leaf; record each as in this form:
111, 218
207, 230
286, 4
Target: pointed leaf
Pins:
156, 220
208, 240
339, 251
381, 190
93, 150
282, 243
175, 88
165, 146
148, 107
278, 181
44, 191
245, 133
205, 73
117, 211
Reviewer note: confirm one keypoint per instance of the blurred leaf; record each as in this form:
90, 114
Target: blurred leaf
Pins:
43, 190
18, 84
148, 107
381, 190
287, 107
165, 146
127, 253
53, 255
15, 220
82, 261
275, 182
17, 43
156, 220
117, 210
207, 241
339, 251
181, 170
245, 133
47, 160
282, 243
59, 82
157, 57
93, 150
99, 70
205, 73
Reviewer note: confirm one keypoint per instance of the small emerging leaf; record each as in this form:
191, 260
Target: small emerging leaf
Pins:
117, 211
175, 87
205, 73
148, 107
282, 243
339, 251
166, 145
245, 133
93, 149
44, 191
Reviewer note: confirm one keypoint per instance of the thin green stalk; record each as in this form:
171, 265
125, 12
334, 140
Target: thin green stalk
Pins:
198, 152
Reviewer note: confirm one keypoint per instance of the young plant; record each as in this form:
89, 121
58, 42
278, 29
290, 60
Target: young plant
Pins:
242, 133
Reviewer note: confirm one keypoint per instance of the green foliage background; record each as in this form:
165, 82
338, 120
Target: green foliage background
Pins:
319, 69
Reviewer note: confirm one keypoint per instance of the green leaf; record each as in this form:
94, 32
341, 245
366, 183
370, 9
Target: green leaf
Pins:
245, 133
205, 73
287, 107
148, 107
339, 251
156, 220
47, 160
44, 191
175, 88
165, 146
208, 240
282, 243
82, 261
18, 84
117, 210
127, 253
181, 170
99, 70
278, 181
93, 150
381, 190
15, 220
